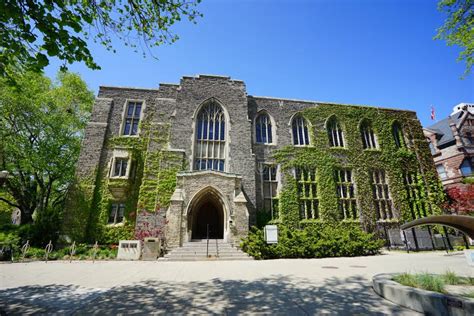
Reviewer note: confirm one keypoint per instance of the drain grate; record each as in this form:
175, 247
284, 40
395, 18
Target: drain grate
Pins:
329, 267
358, 266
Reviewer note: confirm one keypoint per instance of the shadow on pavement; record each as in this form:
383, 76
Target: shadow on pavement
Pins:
276, 294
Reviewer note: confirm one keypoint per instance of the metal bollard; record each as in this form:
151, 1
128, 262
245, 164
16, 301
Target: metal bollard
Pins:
72, 251
47, 250
24, 249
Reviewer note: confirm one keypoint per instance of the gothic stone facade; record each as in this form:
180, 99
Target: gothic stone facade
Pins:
221, 140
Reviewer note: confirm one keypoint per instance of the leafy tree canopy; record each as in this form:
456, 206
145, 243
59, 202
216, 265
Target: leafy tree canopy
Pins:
458, 28
41, 126
32, 31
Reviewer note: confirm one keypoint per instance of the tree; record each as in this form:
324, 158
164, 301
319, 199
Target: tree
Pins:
41, 126
458, 28
460, 199
32, 31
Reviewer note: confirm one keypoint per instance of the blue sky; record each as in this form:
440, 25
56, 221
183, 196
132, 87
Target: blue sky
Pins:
372, 52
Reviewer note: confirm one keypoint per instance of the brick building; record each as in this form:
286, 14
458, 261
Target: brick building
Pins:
200, 153
451, 141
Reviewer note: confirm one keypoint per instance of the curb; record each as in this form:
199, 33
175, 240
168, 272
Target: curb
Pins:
419, 300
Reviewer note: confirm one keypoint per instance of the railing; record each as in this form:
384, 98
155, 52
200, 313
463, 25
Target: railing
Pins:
217, 248
207, 247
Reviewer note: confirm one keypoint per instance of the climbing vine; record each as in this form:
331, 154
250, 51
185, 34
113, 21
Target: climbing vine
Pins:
396, 161
148, 189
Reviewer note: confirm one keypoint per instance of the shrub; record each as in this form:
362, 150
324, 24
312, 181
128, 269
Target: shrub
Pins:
313, 241
451, 278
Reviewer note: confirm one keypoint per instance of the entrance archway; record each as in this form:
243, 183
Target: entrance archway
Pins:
207, 211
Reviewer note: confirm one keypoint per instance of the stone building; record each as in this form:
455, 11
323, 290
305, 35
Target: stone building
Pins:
186, 160
451, 141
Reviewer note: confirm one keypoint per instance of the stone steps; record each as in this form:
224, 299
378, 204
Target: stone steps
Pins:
197, 250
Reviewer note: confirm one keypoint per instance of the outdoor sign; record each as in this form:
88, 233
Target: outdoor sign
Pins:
129, 250
271, 234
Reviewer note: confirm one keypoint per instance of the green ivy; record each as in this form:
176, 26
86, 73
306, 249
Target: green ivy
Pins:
150, 188
395, 161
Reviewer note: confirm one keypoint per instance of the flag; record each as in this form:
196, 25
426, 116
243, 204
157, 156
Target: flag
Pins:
432, 113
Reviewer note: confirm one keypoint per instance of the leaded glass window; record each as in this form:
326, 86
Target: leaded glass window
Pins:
270, 189
398, 135
335, 133
369, 140
300, 131
120, 167
307, 193
381, 195
210, 149
116, 213
263, 129
132, 118
346, 194
415, 196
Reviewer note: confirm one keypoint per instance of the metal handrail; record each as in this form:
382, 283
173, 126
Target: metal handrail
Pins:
217, 248
207, 248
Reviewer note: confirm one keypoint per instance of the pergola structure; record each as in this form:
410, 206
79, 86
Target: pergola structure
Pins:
462, 223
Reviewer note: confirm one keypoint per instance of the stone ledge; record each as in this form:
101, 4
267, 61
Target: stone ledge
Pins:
419, 300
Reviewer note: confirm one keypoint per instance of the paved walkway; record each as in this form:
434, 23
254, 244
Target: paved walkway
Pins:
336, 286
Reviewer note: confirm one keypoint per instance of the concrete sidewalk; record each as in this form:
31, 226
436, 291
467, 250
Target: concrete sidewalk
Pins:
298, 286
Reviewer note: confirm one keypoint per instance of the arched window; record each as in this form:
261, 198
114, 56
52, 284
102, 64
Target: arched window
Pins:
335, 133
369, 139
263, 129
210, 138
300, 131
398, 135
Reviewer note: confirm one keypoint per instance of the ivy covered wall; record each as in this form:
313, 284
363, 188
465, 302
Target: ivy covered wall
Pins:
148, 189
414, 159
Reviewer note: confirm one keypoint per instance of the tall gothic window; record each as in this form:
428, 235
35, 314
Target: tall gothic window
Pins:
398, 135
300, 131
415, 196
132, 118
270, 189
307, 193
263, 129
381, 195
369, 140
335, 133
210, 138
346, 194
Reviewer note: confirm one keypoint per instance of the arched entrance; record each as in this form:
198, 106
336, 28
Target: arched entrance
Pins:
207, 212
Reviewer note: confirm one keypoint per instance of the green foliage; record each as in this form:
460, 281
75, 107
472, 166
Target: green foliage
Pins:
10, 239
414, 158
149, 190
313, 241
111, 235
42, 124
82, 252
458, 29
34, 31
450, 277
423, 281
